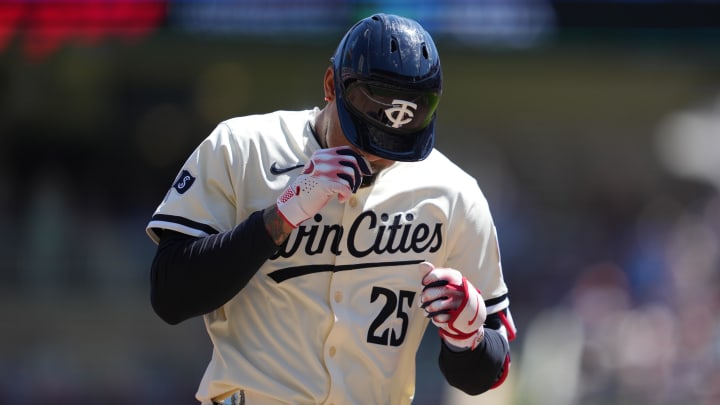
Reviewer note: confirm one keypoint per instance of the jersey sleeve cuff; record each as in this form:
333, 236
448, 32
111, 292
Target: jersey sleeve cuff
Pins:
178, 224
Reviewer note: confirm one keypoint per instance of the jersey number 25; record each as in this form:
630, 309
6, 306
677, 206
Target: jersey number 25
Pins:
396, 304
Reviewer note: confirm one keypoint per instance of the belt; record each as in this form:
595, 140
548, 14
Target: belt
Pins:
237, 398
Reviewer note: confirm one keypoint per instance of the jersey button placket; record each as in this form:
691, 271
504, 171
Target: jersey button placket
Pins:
334, 341
336, 381
333, 344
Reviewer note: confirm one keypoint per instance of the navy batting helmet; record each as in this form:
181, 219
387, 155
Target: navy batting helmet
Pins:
388, 83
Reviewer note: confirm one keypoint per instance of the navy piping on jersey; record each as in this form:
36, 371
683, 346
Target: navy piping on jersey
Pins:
185, 222
494, 301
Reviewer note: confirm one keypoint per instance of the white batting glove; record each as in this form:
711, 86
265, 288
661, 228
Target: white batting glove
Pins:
454, 306
330, 172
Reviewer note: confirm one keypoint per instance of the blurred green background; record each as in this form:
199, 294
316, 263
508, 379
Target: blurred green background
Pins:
592, 127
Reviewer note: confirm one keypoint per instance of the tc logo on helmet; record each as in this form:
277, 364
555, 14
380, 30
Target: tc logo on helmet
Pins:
401, 113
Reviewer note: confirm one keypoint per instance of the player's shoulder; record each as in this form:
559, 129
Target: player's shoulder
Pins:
270, 119
440, 167
279, 125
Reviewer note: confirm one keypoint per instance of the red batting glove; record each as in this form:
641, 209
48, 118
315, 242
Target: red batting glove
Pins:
454, 306
330, 172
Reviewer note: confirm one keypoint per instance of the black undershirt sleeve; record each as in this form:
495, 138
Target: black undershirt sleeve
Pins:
475, 371
193, 276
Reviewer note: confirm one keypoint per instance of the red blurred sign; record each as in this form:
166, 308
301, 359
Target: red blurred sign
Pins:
43, 26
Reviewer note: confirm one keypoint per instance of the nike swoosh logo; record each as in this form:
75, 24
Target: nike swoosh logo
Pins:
274, 169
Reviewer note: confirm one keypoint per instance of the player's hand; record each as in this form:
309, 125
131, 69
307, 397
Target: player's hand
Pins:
329, 173
454, 306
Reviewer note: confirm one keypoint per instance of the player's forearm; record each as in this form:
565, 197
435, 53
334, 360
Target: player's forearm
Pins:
193, 276
476, 371
276, 226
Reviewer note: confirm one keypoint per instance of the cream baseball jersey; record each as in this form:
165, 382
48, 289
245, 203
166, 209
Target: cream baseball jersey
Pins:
333, 316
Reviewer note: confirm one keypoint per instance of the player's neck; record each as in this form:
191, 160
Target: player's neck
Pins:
318, 127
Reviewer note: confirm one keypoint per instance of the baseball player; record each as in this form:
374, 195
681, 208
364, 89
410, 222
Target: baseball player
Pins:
318, 245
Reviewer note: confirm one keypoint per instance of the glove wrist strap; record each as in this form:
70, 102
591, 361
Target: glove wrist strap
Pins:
290, 210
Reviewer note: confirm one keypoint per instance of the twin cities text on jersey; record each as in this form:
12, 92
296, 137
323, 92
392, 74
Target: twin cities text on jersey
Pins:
390, 236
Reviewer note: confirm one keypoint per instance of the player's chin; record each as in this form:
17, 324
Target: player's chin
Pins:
368, 181
376, 168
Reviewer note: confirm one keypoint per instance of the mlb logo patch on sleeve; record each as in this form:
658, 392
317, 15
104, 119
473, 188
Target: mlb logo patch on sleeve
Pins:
183, 182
